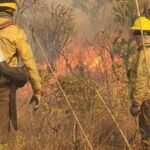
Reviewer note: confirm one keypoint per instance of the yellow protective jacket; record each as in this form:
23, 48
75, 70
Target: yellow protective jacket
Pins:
141, 79
14, 41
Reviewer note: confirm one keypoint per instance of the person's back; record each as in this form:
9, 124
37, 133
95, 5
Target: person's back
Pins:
16, 50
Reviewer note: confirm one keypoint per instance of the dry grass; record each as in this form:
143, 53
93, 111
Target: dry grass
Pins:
54, 128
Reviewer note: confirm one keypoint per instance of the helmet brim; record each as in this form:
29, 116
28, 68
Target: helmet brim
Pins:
140, 29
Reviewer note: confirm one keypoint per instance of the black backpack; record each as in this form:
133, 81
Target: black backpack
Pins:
17, 76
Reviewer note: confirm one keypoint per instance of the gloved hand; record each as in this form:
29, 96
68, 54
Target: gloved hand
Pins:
135, 108
35, 101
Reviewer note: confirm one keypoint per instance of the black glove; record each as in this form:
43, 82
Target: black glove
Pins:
35, 100
135, 108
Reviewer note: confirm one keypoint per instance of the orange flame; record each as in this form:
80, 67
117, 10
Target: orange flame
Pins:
91, 58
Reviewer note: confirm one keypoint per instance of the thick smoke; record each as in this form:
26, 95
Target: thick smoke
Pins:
91, 16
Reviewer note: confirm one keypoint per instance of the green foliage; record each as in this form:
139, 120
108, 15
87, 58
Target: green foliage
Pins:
131, 11
125, 49
124, 11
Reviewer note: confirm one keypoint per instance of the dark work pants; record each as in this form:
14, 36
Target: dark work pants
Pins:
144, 123
4, 114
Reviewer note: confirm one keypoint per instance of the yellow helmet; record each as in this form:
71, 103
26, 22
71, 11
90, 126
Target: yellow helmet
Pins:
8, 4
141, 23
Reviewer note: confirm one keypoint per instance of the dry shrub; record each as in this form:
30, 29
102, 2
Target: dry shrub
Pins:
54, 128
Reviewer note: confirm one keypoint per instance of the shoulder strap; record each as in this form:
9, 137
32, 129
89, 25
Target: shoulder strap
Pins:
10, 60
6, 24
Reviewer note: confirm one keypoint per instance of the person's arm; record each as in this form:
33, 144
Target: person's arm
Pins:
27, 57
142, 77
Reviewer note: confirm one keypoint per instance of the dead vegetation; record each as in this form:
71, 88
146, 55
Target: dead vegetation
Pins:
53, 126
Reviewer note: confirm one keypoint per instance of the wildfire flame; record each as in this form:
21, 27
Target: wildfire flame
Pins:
91, 58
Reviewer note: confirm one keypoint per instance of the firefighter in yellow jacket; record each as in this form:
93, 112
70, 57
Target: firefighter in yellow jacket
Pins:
13, 41
141, 86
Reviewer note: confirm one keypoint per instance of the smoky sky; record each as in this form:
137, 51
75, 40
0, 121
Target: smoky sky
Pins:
91, 16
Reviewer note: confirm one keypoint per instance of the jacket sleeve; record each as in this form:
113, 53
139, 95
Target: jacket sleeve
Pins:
27, 57
142, 78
